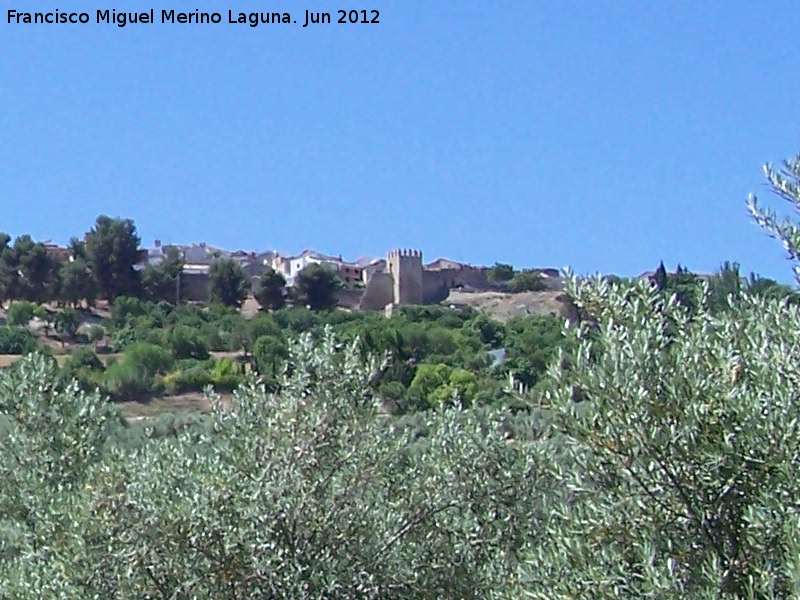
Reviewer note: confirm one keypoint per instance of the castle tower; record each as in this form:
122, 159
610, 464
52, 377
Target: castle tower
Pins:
405, 267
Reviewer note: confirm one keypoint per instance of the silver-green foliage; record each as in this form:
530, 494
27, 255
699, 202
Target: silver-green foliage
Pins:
52, 445
310, 494
784, 181
663, 464
681, 450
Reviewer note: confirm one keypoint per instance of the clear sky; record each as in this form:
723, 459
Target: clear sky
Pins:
604, 134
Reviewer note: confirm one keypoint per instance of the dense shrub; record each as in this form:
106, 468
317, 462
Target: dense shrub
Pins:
85, 367
226, 376
270, 355
187, 342
218, 340
67, 322
527, 281
20, 313
148, 358
124, 308
95, 333
136, 375
194, 379
500, 272
123, 381
260, 325
17, 340
296, 320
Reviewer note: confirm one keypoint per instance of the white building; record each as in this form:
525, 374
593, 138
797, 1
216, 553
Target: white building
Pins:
290, 266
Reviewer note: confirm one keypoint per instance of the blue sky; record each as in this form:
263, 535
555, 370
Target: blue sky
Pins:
603, 135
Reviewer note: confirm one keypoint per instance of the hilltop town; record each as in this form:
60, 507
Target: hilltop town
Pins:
369, 283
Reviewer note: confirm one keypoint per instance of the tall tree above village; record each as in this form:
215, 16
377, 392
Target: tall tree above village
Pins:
160, 282
272, 293
112, 247
315, 287
5, 268
78, 283
227, 283
26, 270
77, 249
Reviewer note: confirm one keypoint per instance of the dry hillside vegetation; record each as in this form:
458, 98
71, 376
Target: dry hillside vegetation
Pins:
502, 306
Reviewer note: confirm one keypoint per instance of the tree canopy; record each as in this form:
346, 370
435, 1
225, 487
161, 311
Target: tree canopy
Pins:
112, 249
227, 283
316, 286
272, 291
160, 282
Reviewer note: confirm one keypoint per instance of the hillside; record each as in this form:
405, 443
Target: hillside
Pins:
502, 306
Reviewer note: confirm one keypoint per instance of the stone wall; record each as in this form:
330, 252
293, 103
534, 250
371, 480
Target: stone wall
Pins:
434, 288
379, 292
349, 298
468, 277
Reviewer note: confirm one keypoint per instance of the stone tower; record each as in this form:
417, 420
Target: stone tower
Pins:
405, 267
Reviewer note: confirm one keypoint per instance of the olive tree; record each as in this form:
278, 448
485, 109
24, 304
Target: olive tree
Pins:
679, 429
680, 436
310, 494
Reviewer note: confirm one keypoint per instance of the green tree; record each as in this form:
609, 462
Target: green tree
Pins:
686, 287
726, 285
270, 355
660, 277
310, 495
20, 313
771, 289
125, 309
532, 344
78, 284
84, 367
316, 287
95, 333
500, 272
112, 248
428, 378
490, 331
16, 340
46, 316
7, 273
67, 322
136, 376
252, 329
187, 342
28, 273
459, 389
271, 294
160, 282
227, 283
527, 281
677, 437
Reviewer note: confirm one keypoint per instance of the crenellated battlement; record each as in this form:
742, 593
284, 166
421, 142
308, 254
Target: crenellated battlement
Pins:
405, 253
